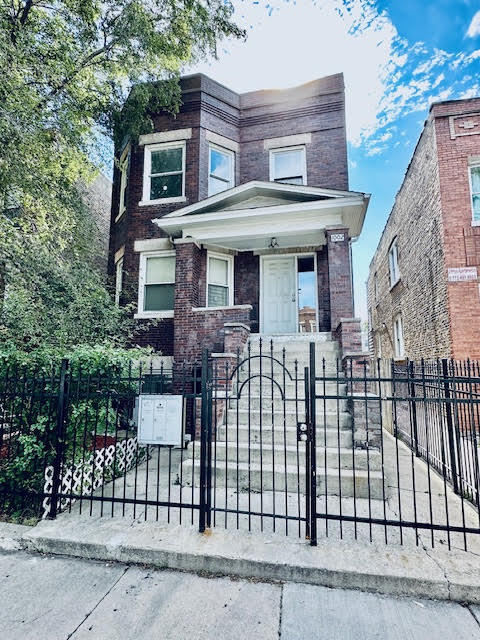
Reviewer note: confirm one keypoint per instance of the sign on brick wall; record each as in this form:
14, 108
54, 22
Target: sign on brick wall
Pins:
462, 274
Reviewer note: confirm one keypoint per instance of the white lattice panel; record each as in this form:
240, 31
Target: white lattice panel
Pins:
85, 477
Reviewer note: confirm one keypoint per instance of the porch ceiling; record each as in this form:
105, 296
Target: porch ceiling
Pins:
293, 225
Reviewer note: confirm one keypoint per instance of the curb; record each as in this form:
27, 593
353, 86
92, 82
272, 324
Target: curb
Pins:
453, 576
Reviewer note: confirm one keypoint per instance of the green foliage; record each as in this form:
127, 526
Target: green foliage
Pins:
102, 383
66, 69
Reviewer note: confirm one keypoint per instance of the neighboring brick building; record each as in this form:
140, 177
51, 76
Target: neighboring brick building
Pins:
423, 287
226, 211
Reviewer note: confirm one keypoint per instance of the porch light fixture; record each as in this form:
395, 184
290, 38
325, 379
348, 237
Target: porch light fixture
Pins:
273, 244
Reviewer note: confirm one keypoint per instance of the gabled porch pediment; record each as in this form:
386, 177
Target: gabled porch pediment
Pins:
245, 217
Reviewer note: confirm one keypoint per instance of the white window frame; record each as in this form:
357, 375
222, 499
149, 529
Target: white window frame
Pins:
123, 166
231, 155
302, 148
398, 337
229, 259
118, 279
393, 263
147, 166
475, 223
142, 275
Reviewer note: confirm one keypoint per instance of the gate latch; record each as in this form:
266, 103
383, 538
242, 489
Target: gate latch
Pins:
302, 432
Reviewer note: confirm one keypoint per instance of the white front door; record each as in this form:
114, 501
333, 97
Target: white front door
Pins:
279, 295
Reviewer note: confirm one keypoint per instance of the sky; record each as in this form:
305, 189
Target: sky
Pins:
397, 56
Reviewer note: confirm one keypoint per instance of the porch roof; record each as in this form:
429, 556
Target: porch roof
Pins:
248, 216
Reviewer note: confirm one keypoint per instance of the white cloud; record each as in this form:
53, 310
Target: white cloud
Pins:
290, 43
474, 28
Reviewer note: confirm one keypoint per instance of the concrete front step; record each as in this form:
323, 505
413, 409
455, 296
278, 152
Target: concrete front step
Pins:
291, 403
287, 478
278, 418
342, 458
233, 434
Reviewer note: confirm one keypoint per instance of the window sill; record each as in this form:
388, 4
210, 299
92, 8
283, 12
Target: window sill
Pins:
152, 203
475, 223
232, 306
153, 314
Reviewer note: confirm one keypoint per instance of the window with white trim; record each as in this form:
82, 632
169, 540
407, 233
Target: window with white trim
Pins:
156, 291
288, 165
375, 287
219, 280
393, 263
379, 345
164, 172
221, 167
475, 193
398, 336
118, 279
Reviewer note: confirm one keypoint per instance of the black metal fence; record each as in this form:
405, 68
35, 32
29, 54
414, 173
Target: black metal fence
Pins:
281, 438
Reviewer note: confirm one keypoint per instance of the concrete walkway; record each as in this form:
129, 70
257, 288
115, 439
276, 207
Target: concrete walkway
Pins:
51, 598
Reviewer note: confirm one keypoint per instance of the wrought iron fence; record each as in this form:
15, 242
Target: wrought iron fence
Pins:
280, 438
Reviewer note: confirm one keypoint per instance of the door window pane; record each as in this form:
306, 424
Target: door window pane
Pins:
160, 269
159, 297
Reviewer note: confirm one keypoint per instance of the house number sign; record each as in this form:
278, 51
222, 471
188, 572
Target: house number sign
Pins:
160, 419
337, 237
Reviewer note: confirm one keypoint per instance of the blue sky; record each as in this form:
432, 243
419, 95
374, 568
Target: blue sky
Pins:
398, 56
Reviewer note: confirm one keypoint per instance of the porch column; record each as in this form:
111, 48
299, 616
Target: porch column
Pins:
187, 296
339, 275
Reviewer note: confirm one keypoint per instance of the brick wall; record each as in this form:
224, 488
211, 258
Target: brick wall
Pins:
339, 275
456, 146
420, 295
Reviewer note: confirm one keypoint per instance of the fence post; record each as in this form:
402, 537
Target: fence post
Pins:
59, 439
411, 372
306, 377
204, 519
450, 428
313, 449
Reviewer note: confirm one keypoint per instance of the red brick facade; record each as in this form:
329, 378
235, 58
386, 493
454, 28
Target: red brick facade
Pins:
315, 110
432, 222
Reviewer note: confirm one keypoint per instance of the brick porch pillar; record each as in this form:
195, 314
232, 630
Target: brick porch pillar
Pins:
187, 279
339, 275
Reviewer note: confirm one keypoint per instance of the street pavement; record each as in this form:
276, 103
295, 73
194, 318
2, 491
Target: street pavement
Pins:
49, 598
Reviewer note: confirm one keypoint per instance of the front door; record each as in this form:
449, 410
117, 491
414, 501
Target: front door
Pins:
279, 295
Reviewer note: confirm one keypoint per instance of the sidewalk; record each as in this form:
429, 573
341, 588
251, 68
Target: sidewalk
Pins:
393, 570
52, 598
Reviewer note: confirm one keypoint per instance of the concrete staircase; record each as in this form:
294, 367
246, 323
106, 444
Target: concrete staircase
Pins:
256, 446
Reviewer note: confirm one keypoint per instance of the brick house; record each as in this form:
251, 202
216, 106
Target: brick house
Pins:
423, 287
235, 215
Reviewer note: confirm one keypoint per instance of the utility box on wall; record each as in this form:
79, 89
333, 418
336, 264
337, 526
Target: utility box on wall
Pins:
160, 419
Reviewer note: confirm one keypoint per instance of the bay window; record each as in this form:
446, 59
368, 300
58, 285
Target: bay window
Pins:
156, 292
164, 173
220, 169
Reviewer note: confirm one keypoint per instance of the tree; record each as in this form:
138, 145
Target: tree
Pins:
66, 69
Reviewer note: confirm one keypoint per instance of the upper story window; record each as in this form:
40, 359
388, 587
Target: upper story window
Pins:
156, 290
398, 336
164, 173
118, 279
219, 280
475, 191
288, 165
375, 287
221, 168
393, 263
124, 166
